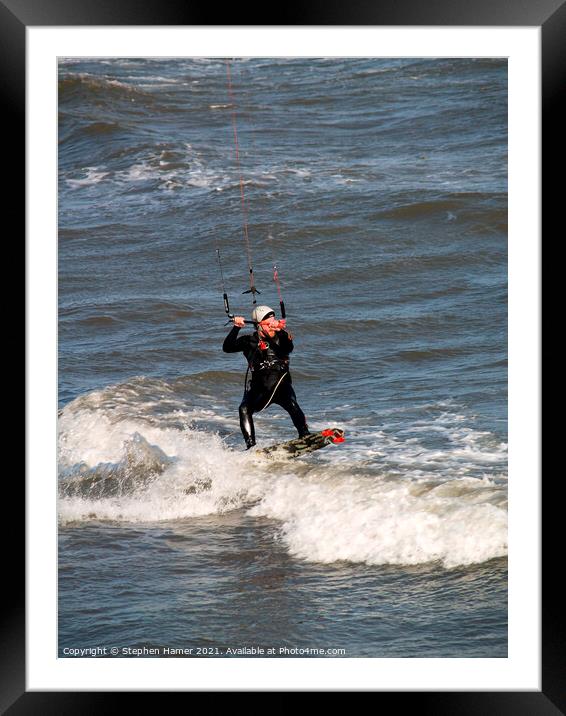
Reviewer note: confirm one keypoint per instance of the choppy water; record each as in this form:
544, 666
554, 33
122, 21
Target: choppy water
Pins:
380, 189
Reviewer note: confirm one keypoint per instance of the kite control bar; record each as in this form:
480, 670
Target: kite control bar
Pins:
225, 295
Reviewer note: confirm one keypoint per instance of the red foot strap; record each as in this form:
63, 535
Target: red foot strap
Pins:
335, 435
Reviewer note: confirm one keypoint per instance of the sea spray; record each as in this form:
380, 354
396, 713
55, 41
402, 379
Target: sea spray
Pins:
122, 462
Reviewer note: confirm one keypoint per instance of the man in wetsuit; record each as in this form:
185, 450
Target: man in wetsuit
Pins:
267, 352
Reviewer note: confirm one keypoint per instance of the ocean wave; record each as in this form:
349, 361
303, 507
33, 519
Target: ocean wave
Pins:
375, 500
96, 86
92, 176
146, 311
463, 206
387, 522
431, 354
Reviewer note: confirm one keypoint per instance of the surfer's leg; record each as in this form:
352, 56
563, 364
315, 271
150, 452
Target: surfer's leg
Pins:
246, 422
254, 399
286, 398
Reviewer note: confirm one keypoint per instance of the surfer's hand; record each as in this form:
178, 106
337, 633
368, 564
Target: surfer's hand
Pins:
239, 321
281, 323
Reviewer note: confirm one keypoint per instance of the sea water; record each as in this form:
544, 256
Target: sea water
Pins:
379, 188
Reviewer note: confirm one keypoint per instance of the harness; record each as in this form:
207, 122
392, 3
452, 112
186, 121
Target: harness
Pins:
273, 364
268, 361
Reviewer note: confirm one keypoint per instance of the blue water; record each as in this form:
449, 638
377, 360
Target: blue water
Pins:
379, 187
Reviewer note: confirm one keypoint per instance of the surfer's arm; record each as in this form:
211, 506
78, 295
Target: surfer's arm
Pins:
285, 342
233, 344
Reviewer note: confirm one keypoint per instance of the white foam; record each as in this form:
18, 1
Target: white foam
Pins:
94, 175
461, 451
140, 172
386, 522
95, 428
199, 459
155, 168
377, 499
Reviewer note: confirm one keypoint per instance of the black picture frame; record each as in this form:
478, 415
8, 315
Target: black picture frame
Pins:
550, 16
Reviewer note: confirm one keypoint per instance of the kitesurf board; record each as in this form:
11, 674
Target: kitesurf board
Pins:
302, 446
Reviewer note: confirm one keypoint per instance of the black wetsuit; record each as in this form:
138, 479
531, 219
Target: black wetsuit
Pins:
268, 361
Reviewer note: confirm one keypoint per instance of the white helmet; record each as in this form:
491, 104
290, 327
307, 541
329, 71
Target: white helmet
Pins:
260, 313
